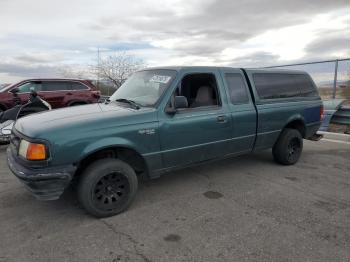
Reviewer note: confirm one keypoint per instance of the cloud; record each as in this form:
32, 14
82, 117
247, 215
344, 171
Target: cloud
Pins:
39, 58
330, 44
197, 32
17, 70
256, 59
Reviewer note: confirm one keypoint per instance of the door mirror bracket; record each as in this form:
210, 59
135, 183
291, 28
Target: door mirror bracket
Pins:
170, 111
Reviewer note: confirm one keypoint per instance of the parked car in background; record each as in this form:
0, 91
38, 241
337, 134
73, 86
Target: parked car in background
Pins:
9, 117
58, 92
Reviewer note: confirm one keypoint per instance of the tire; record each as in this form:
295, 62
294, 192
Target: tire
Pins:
77, 104
107, 187
288, 147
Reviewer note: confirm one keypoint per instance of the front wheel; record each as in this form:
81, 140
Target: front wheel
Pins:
288, 148
107, 187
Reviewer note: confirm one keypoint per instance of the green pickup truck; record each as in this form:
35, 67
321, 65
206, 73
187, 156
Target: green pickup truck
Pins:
159, 120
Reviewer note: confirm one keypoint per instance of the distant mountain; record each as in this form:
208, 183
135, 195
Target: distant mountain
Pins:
328, 83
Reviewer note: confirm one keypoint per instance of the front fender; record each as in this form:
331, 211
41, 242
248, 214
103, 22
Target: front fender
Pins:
153, 161
107, 143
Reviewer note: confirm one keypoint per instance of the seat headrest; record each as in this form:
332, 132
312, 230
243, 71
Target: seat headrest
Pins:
204, 93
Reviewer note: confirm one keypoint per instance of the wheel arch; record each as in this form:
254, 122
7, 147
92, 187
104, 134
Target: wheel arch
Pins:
297, 123
77, 102
122, 152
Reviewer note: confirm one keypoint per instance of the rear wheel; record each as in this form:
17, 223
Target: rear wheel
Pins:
288, 148
77, 104
107, 187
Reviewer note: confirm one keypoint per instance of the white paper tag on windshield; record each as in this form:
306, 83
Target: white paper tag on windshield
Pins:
160, 79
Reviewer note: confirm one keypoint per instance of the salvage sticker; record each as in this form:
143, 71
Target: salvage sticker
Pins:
160, 79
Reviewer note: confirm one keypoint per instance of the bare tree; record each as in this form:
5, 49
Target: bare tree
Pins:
118, 67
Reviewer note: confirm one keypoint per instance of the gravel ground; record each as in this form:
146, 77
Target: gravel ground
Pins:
242, 209
343, 129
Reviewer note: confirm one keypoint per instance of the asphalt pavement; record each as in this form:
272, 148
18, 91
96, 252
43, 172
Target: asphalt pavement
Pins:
242, 209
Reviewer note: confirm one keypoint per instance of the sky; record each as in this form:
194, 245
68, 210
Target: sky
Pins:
40, 37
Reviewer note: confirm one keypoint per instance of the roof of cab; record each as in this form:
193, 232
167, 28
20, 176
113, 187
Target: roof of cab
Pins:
255, 70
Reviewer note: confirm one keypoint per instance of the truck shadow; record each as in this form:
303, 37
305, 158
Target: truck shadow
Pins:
198, 178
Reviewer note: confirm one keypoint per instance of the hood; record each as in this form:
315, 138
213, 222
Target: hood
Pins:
78, 118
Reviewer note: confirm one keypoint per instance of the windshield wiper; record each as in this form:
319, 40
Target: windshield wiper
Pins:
128, 101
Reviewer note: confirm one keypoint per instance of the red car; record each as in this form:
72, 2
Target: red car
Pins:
58, 92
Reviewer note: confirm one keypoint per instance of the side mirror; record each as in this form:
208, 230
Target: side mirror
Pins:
179, 102
14, 90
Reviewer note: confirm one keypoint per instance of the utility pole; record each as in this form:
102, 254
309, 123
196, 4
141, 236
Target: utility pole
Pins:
98, 67
335, 79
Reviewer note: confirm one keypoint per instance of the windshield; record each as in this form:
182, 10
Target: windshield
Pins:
145, 87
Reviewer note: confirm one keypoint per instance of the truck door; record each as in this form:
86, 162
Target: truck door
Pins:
203, 130
242, 111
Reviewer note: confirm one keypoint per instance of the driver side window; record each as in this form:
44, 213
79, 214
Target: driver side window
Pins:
199, 89
26, 88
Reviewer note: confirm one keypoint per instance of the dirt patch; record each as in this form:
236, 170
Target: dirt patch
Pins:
172, 238
213, 195
291, 178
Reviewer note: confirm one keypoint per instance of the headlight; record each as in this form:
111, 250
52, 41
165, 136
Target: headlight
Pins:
32, 151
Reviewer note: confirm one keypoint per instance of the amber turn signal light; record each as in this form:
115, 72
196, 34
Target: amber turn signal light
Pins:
36, 152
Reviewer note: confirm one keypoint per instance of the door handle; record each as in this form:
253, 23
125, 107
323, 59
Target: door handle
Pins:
221, 119
69, 94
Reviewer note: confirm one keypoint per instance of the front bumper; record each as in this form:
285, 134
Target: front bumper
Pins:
44, 183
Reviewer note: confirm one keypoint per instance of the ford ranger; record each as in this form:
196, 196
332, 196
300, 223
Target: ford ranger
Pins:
159, 120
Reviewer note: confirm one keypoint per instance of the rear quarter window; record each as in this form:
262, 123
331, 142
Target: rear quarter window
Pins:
78, 86
237, 88
279, 85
